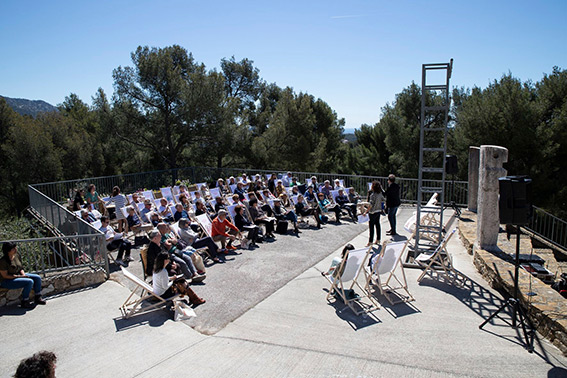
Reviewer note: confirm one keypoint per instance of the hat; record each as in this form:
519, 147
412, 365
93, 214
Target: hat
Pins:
313, 177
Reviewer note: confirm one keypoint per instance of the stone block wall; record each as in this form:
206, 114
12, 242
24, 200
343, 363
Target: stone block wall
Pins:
57, 283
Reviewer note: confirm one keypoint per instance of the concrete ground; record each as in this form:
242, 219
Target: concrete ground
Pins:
293, 332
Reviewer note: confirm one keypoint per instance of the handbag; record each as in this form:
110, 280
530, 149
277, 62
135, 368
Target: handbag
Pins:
182, 310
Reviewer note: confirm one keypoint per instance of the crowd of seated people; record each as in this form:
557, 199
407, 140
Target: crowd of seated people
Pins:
190, 223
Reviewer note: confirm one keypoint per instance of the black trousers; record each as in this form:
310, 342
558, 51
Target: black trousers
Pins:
374, 223
122, 246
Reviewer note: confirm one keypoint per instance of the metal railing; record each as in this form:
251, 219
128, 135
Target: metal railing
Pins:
54, 254
63, 191
548, 227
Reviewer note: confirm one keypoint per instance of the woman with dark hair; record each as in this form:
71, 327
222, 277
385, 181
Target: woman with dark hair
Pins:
375, 197
40, 365
304, 209
258, 217
165, 286
12, 276
337, 262
79, 201
120, 201
93, 198
243, 223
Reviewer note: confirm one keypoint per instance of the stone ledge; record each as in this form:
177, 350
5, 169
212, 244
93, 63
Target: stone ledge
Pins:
547, 309
56, 283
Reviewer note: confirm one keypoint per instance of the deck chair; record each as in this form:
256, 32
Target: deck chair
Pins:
193, 197
215, 192
143, 291
387, 273
148, 194
441, 259
351, 267
229, 200
232, 187
205, 223
167, 194
231, 211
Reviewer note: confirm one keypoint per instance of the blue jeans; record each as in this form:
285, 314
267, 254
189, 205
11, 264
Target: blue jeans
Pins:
392, 218
32, 280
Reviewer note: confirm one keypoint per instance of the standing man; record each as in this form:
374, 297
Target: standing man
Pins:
392, 203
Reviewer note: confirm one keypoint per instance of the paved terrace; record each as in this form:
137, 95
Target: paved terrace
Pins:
266, 315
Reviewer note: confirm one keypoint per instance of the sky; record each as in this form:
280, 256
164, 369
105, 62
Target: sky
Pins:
354, 55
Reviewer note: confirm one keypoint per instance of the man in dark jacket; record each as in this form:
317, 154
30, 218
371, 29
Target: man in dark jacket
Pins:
392, 203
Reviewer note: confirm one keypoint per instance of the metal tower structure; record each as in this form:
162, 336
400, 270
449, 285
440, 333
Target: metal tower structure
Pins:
435, 102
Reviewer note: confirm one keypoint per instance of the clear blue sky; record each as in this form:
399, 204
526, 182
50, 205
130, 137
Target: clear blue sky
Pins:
355, 55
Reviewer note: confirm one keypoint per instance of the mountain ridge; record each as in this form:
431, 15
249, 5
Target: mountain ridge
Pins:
24, 106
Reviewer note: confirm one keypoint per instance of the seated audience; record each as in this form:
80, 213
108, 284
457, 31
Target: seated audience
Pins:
240, 191
169, 243
344, 203
337, 260
311, 195
338, 185
179, 212
326, 189
279, 188
281, 213
87, 216
12, 276
184, 200
116, 241
164, 210
145, 212
286, 180
327, 206
313, 183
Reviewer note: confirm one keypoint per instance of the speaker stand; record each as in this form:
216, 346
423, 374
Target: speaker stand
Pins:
518, 313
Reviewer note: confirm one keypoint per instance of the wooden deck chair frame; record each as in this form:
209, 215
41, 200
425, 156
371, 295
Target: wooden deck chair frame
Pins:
387, 263
429, 261
142, 292
352, 266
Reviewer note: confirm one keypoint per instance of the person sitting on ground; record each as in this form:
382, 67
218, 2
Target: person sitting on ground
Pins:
169, 243
242, 222
333, 269
191, 238
180, 212
304, 209
259, 218
87, 216
79, 202
119, 201
325, 205
12, 276
281, 213
116, 241
40, 365
163, 285
219, 231
164, 210
344, 203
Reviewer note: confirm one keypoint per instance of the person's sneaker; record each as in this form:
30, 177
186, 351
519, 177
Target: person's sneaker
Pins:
120, 262
26, 304
128, 259
39, 300
198, 277
230, 247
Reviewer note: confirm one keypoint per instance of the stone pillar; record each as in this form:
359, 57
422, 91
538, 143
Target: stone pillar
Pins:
490, 170
474, 157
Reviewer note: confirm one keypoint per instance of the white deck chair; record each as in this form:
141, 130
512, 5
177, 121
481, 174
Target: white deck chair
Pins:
439, 258
230, 200
383, 273
334, 194
167, 194
124, 211
231, 211
351, 267
215, 192
143, 291
148, 194
193, 197
232, 187
205, 223
246, 197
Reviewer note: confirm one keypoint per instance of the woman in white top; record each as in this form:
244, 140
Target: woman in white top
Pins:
166, 286
376, 198
120, 201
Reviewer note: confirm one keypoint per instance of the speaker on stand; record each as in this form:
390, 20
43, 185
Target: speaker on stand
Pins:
515, 208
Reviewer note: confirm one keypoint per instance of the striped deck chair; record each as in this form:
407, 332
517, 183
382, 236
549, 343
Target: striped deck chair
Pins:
346, 279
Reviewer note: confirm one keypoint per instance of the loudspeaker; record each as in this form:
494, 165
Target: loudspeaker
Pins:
515, 202
451, 167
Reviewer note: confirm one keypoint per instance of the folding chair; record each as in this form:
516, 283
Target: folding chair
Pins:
143, 290
349, 269
148, 194
205, 223
215, 192
383, 273
167, 194
439, 258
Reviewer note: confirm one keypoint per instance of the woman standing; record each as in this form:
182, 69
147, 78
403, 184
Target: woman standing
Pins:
375, 197
12, 276
92, 197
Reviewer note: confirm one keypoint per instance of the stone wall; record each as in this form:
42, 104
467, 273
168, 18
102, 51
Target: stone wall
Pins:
56, 283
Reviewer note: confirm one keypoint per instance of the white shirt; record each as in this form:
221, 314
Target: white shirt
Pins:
160, 282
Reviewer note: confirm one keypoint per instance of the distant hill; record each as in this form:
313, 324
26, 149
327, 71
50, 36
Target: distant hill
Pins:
350, 137
29, 107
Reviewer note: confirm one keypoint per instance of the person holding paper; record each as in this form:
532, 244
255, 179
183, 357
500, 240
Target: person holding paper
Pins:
115, 241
